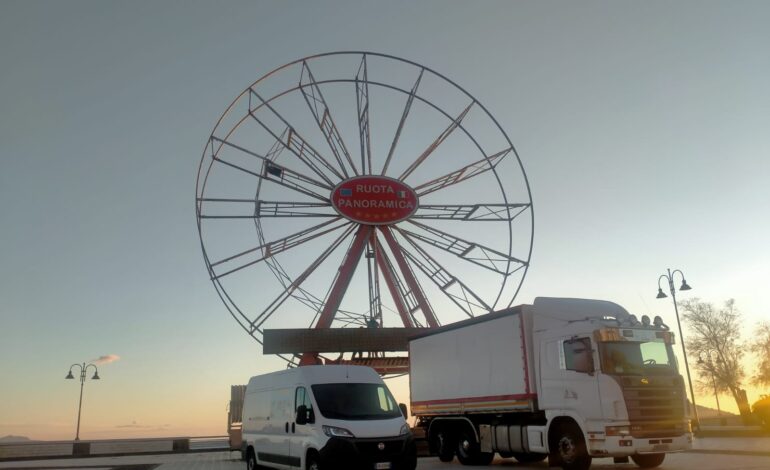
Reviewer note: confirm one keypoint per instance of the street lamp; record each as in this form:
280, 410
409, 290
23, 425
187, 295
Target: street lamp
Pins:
669, 276
83, 368
710, 363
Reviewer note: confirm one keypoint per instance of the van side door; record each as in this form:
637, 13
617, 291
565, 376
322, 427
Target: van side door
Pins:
277, 451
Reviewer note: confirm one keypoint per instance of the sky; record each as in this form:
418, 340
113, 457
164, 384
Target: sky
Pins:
642, 128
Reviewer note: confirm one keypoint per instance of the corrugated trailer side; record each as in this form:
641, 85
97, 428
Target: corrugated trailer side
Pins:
481, 365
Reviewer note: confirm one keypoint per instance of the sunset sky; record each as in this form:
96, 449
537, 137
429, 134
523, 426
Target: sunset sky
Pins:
643, 128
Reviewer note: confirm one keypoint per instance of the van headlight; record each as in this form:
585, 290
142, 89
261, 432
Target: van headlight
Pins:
404, 430
333, 431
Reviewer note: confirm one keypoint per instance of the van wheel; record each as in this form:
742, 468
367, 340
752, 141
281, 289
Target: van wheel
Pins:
312, 463
571, 449
251, 461
648, 460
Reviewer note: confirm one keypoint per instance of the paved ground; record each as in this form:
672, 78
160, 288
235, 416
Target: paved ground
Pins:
707, 454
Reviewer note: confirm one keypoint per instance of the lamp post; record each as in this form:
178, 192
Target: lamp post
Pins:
669, 276
83, 368
713, 377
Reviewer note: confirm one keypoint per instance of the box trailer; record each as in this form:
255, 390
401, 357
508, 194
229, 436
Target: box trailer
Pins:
565, 379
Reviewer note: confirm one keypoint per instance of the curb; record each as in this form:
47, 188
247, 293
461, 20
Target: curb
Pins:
748, 453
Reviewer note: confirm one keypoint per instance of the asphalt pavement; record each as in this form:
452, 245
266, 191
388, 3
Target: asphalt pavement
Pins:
713, 448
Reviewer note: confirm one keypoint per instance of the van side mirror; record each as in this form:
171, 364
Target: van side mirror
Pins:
304, 416
404, 411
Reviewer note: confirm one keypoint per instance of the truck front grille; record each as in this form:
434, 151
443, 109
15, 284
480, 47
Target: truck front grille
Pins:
655, 405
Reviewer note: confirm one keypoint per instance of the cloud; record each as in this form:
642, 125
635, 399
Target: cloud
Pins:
106, 359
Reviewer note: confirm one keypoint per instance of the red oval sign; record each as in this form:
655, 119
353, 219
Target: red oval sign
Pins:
374, 200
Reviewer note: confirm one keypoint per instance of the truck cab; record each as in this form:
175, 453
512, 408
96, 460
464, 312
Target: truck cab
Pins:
613, 377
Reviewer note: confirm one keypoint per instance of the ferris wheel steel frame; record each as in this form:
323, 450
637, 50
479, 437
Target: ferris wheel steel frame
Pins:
396, 263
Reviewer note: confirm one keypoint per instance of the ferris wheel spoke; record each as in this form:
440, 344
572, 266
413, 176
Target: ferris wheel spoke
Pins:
320, 110
268, 312
462, 174
293, 209
459, 293
302, 295
409, 277
291, 140
362, 103
471, 212
270, 249
434, 145
251, 209
475, 253
401, 123
276, 173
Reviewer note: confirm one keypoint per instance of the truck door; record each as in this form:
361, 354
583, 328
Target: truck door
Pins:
569, 380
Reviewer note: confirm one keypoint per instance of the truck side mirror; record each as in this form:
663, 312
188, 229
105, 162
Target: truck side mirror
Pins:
404, 411
304, 416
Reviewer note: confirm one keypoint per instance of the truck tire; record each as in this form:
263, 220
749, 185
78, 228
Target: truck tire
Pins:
446, 452
648, 460
570, 448
468, 452
529, 457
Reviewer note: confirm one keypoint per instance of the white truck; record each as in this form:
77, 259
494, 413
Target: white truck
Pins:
332, 417
565, 379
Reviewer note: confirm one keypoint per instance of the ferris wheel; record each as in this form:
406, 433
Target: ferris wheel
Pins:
361, 190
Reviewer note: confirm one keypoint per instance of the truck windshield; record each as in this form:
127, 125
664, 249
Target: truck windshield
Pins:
637, 358
354, 401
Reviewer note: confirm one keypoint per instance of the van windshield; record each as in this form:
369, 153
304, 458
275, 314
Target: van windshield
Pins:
632, 358
354, 401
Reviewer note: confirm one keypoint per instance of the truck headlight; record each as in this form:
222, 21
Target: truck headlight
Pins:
618, 430
404, 430
333, 431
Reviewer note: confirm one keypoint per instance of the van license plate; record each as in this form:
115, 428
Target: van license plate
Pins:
661, 447
382, 465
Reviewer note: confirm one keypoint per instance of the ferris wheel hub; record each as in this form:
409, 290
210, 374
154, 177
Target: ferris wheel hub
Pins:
374, 200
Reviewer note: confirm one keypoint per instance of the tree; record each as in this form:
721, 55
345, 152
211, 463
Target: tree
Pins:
760, 346
715, 339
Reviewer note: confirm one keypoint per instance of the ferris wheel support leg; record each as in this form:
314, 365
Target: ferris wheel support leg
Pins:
392, 283
337, 292
411, 281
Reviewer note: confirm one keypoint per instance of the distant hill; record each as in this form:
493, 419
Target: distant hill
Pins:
10, 438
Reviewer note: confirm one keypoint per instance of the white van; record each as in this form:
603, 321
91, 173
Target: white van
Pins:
329, 417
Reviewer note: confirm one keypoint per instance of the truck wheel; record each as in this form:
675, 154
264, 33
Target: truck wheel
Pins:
648, 460
445, 451
571, 449
529, 457
468, 452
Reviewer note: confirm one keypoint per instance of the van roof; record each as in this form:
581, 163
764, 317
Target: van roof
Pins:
316, 375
